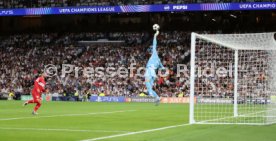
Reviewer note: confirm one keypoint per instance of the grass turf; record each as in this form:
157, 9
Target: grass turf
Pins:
70, 121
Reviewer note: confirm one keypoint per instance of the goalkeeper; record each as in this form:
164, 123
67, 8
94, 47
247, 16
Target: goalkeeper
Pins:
153, 64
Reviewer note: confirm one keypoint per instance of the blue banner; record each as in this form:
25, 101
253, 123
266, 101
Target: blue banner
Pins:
139, 8
107, 99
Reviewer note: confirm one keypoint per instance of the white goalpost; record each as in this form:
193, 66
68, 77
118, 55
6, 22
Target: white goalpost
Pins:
233, 79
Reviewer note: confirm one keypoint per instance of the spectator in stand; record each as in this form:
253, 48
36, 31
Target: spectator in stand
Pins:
19, 65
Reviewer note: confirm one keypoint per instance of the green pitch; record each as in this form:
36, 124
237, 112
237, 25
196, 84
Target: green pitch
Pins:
75, 121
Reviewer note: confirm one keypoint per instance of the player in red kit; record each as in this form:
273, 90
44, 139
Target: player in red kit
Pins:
39, 88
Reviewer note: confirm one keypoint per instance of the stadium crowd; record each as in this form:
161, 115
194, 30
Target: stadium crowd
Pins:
24, 56
65, 3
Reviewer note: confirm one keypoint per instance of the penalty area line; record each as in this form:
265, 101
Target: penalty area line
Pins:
137, 132
66, 115
62, 130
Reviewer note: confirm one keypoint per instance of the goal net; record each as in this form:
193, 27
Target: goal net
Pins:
233, 79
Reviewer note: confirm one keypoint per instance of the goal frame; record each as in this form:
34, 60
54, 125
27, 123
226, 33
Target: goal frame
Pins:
194, 36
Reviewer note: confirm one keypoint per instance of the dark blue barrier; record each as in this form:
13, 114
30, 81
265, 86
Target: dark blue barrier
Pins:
65, 98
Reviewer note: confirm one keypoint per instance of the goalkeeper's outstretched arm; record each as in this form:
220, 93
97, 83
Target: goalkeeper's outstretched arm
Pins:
154, 44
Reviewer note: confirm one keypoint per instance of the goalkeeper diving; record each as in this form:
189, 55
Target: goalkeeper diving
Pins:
153, 64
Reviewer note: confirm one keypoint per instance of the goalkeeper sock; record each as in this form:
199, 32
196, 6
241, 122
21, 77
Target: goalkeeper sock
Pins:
30, 101
37, 107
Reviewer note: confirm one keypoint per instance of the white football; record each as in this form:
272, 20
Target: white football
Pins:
155, 27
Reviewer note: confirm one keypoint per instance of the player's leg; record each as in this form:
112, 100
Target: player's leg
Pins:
26, 103
152, 81
150, 77
37, 106
157, 98
149, 85
30, 101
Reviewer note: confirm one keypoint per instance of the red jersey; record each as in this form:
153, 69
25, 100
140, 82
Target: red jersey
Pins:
39, 85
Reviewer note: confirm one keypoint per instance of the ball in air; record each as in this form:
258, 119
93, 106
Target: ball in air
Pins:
156, 27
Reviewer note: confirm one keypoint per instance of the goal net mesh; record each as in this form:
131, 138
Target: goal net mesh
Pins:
234, 79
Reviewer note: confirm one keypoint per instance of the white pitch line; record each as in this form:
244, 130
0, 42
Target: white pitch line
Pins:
66, 130
150, 130
138, 132
66, 115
